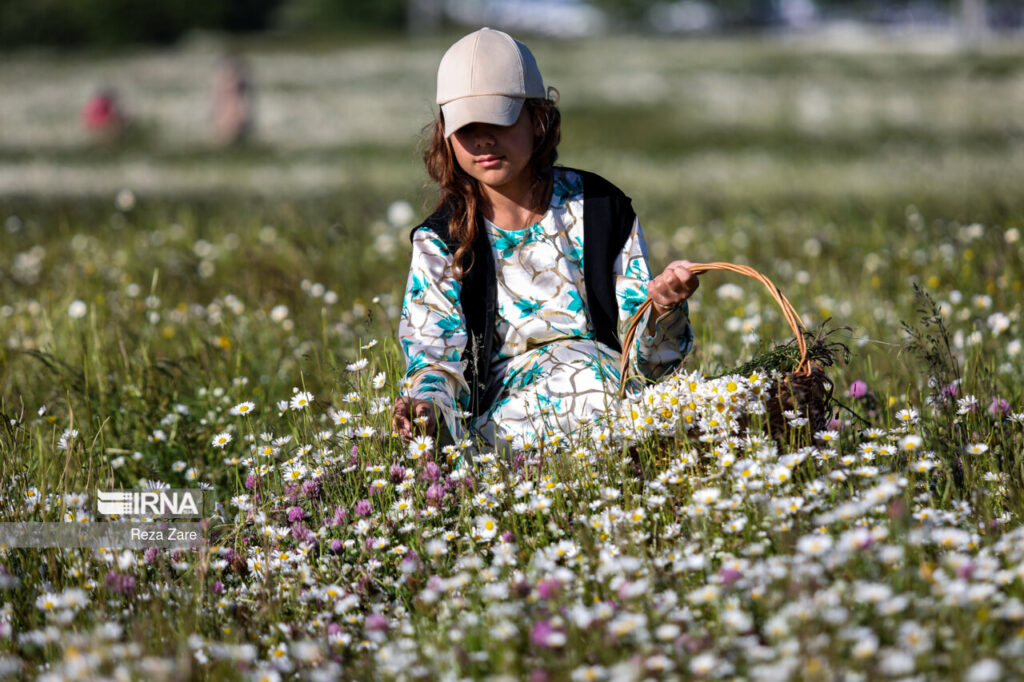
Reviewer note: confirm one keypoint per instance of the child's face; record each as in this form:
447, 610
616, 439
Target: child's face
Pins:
497, 156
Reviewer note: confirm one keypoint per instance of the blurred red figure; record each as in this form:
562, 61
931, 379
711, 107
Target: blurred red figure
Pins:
102, 116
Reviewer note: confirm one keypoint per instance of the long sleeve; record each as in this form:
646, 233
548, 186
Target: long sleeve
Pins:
432, 329
651, 355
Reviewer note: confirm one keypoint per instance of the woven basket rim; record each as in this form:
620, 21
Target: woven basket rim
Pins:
788, 311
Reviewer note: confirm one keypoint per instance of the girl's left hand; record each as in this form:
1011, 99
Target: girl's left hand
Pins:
673, 286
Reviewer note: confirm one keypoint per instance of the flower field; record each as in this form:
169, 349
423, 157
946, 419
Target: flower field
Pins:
177, 317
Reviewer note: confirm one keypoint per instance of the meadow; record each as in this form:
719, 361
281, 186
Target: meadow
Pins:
177, 315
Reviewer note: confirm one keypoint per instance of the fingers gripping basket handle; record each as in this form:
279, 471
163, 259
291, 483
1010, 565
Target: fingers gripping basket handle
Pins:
795, 323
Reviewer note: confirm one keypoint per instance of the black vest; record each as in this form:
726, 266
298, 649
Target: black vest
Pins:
608, 219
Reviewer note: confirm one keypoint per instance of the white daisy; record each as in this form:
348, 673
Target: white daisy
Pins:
221, 439
243, 408
359, 364
301, 400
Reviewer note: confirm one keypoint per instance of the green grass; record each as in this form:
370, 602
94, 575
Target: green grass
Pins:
879, 554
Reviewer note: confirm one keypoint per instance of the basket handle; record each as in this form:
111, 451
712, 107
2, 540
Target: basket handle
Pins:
795, 323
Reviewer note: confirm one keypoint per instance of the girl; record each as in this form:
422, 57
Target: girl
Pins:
523, 281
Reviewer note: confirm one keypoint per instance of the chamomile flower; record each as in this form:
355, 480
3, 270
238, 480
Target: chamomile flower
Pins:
814, 544
295, 472
827, 436
243, 408
69, 435
359, 364
49, 602
923, 465
911, 442
486, 527
266, 450
908, 416
221, 439
436, 547
300, 400
420, 446
703, 664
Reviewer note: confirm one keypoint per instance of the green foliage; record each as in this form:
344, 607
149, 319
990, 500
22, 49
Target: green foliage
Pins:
319, 16
931, 341
118, 22
786, 357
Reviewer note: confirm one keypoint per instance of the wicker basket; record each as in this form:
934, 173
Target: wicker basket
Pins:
806, 390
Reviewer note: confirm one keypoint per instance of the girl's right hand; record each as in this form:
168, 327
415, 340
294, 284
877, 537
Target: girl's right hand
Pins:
413, 416
673, 286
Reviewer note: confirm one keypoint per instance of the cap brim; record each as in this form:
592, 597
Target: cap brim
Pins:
495, 109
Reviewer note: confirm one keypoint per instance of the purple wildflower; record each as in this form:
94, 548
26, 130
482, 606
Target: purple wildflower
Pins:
301, 533
434, 495
120, 583
549, 589
291, 491
363, 508
296, 514
729, 575
431, 472
858, 389
965, 571
311, 488
543, 634
376, 622
999, 407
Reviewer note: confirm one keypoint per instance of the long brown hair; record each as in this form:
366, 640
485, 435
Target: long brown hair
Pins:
461, 192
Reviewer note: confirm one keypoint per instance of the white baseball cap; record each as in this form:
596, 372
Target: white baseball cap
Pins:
484, 78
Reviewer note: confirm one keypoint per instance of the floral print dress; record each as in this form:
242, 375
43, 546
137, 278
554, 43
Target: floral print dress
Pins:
556, 377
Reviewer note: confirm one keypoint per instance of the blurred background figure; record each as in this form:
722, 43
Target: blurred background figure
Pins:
232, 102
103, 117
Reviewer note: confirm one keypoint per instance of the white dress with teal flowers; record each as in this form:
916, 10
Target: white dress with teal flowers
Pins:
556, 376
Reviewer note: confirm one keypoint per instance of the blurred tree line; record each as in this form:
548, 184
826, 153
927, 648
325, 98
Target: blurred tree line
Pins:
119, 22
